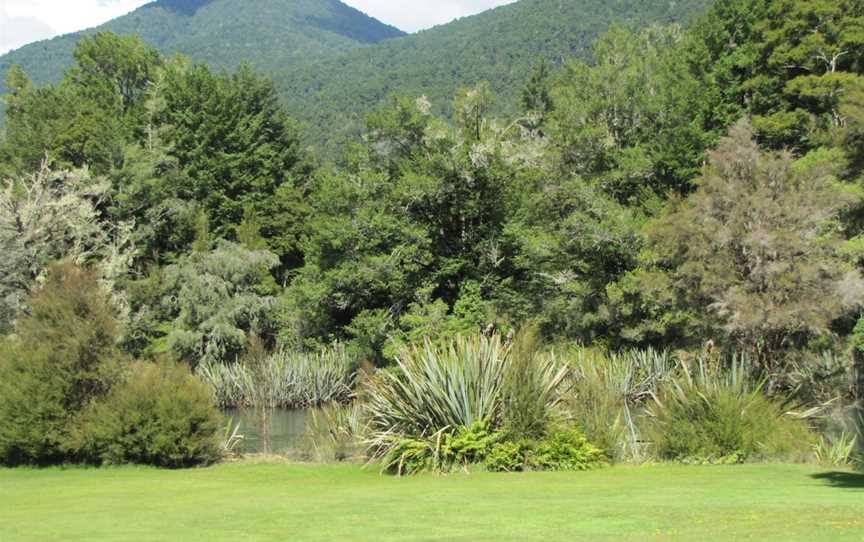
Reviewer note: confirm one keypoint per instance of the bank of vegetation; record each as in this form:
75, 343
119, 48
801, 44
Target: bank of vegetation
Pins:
658, 258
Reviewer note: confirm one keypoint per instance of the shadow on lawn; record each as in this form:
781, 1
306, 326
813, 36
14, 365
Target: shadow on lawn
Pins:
846, 480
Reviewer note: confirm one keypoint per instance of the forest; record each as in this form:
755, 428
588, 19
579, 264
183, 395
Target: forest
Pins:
654, 253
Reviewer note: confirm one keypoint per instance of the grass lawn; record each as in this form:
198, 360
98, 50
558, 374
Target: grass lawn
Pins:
288, 502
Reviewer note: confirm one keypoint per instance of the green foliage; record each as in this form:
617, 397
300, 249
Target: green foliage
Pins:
162, 416
631, 121
284, 379
532, 386
204, 307
715, 415
609, 392
566, 450
234, 143
438, 387
63, 356
758, 248
451, 403
506, 457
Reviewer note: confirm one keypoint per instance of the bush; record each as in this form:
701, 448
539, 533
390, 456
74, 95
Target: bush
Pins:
497, 450
608, 393
567, 450
531, 386
64, 356
441, 391
506, 457
162, 416
334, 432
718, 416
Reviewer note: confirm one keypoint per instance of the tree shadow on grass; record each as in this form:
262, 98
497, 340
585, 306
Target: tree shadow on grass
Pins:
845, 480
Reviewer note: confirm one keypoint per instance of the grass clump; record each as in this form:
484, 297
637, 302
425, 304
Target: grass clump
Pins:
608, 394
284, 379
712, 415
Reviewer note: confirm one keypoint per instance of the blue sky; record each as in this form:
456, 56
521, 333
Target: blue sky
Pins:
25, 21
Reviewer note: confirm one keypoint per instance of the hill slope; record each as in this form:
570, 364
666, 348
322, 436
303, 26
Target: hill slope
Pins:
269, 34
500, 46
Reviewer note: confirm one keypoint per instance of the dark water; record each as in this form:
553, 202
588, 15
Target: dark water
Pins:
286, 429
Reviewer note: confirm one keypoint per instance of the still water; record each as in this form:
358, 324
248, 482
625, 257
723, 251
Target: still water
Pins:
286, 429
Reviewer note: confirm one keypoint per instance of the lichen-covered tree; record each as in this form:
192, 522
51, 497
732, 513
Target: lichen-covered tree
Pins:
758, 249
54, 215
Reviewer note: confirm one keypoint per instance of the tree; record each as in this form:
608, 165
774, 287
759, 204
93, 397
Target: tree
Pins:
207, 305
759, 246
50, 216
88, 117
632, 122
235, 145
63, 356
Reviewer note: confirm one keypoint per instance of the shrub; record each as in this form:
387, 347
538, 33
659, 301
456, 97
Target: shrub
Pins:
442, 451
716, 415
162, 416
437, 389
335, 432
440, 389
64, 356
567, 450
531, 386
506, 456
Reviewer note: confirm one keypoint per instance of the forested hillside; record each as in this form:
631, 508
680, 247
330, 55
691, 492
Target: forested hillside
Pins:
501, 46
270, 35
330, 81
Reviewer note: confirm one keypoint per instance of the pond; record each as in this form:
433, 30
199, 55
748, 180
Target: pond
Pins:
286, 429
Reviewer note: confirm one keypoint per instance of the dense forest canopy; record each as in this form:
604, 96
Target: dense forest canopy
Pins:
594, 211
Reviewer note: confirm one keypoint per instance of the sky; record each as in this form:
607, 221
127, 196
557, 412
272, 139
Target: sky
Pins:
26, 21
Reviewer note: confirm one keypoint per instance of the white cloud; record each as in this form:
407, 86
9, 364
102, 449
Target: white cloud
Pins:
25, 21
413, 15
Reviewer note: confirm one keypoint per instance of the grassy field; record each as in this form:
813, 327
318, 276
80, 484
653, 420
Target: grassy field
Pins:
286, 502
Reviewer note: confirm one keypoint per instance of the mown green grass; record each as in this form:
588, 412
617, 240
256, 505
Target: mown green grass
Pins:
287, 502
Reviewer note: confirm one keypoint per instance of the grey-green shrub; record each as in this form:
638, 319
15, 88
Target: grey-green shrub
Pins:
163, 415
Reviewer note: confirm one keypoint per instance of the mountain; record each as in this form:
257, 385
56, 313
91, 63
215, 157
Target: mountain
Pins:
270, 35
501, 46
334, 63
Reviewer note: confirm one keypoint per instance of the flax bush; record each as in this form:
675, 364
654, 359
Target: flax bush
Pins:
466, 401
286, 379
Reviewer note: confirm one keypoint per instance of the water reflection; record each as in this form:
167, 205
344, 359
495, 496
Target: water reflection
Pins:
282, 434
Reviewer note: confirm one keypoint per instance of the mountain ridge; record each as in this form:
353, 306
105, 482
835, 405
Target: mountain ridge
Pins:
287, 31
